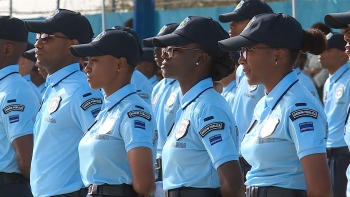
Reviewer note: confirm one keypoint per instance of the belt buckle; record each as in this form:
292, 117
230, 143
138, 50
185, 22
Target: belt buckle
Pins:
158, 163
92, 189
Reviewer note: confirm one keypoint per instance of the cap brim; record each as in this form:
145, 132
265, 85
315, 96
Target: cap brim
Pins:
86, 50
39, 26
337, 20
147, 42
169, 40
232, 16
235, 43
30, 54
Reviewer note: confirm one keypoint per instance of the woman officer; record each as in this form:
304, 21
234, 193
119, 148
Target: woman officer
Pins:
117, 153
285, 143
200, 154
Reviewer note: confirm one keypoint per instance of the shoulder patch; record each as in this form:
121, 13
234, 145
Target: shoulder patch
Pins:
306, 126
95, 112
87, 94
208, 118
139, 124
11, 101
303, 113
13, 107
215, 139
139, 113
14, 118
300, 104
211, 127
90, 102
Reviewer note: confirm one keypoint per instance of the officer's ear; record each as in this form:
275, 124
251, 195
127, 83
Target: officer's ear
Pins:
7, 49
122, 63
280, 56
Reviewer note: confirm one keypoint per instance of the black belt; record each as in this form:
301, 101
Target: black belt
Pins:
243, 162
112, 190
158, 167
337, 151
11, 178
79, 193
193, 192
273, 192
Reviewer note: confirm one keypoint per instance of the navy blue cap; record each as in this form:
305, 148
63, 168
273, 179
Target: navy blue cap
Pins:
196, 29
30, 54
337, 20
335, 40
246, 10
276, 30
133, 33
70, 23
166, 29
12, 28
110, 42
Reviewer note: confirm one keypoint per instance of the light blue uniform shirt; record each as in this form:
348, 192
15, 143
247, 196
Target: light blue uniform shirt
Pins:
143, 86
246, 98
42, 89
153, 80
347, 140
69, 108
165, 103
239, 74
229, 93
336, 98
33, 86
17, 114
126, 122
203, 138
308, 83
288, 124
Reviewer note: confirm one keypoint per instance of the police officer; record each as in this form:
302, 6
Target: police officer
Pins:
25, 67
19, 107
200, 155
165, 99
336, 99
68, 108
247, 96
229, 83
286, 141
143, 85
35, 76
125, 125
147, 66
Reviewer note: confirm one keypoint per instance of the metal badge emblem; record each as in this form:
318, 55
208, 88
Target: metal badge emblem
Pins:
55, 103
252, 87
182, 129
270, 127
171, 99
339, 92
106, 126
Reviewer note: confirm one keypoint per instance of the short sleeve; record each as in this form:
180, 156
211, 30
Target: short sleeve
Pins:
218, 134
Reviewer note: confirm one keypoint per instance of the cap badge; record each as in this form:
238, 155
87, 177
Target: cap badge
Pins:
328, 36
239, 5
99, 36
270, 127
53, 14
250, 23
339, 93
162, 29
182, 129
183, 23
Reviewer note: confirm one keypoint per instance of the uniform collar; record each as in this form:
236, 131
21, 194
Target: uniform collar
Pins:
281, 89
168, 80
229, 87
59, 75
195, 91
8, 69
26, 77
153, 79
297, 70
336, 76
118, 95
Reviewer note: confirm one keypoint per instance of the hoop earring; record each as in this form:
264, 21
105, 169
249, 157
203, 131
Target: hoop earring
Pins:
276, 62
197, 63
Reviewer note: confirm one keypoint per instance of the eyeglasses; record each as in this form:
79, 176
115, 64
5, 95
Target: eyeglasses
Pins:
168, 52
244, 50
45, 37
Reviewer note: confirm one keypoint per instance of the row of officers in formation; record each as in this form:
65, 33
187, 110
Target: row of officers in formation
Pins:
233, 116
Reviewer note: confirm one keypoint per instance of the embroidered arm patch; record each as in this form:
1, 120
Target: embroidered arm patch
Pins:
90, 102
303, 113
14, 107
139, 113
211, 127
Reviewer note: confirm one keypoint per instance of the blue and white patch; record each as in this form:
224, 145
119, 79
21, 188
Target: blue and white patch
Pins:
53, 14
215, 139
95, 112
211, 127
99, 36
162, 30
14, 118
139, 124
91, 102
306, 126
328, 36
183, 23
14, 107
239, 5
303, 113
139, 113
